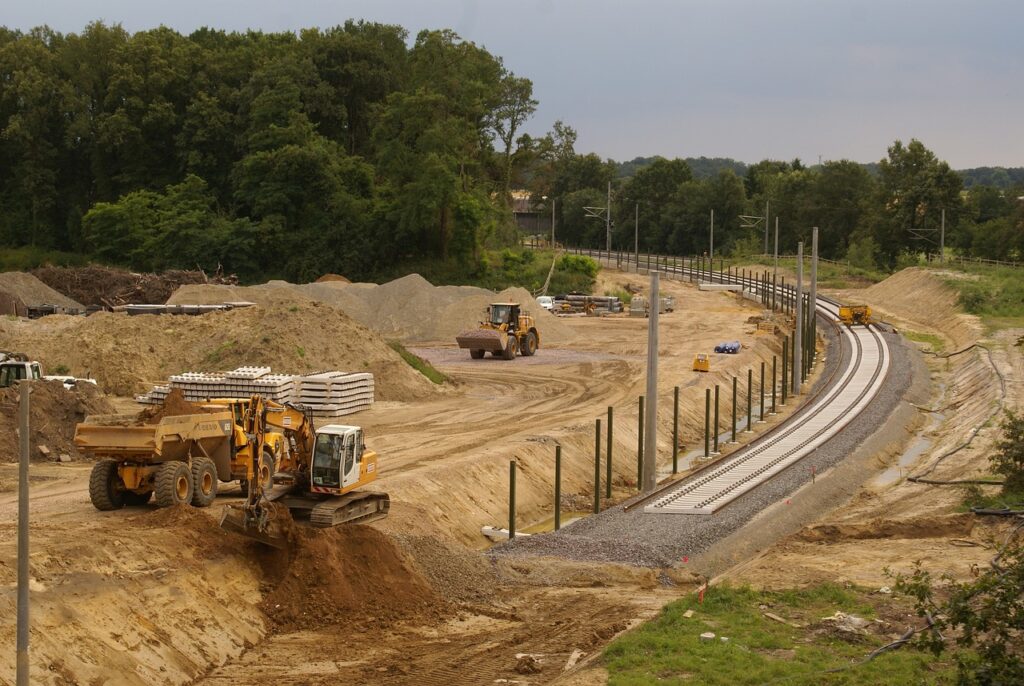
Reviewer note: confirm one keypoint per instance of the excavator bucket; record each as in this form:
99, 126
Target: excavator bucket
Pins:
266, 530
489, 340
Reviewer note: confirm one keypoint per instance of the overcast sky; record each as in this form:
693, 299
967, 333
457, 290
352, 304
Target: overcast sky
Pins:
746, 79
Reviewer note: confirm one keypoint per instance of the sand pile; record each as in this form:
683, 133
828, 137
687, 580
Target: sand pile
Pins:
128, 354
409, 308
53, 413
345, 575
920, 296
32, 292
106, 286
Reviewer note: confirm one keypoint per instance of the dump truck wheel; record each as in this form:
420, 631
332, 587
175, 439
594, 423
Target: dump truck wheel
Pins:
204, 480
133, 499
529, 344
173, 484
104, 483
267, 468
476, 354
510, 348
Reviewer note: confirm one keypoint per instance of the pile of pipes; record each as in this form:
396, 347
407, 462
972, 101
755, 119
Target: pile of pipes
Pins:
180, 309
730, 347
588, 304
327, 394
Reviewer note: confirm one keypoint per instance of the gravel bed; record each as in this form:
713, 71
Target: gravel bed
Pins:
660, 540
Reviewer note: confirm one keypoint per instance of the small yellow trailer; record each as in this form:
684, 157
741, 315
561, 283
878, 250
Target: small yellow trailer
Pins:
855, 314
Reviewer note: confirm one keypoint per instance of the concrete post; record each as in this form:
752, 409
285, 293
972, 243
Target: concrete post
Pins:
608, 458
21, 658
511, 499
597, 466
558, 487
650, 466
799, 331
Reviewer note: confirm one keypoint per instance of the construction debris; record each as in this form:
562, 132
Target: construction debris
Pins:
97, 286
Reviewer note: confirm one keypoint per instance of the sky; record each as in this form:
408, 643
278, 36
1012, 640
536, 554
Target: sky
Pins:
747, 79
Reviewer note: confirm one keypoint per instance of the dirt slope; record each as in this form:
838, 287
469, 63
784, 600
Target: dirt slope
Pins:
32, 291
54, 411
126, 354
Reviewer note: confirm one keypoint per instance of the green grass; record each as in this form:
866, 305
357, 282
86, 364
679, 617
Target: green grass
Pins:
931, 340
418, 363
829, 275
20, 259
992, 292
217, 355
990, 497
668, 650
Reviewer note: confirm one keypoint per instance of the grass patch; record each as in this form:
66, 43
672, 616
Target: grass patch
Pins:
418, 363
28, 257
621, 293
830, 275
217, 355
992, 292
931, 340
668, 649
989, 497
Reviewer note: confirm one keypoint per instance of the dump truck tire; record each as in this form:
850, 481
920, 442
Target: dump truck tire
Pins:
529, 346
104, 491
133, 499
268, 468
204, 480
476, 354
174, 484
510, 348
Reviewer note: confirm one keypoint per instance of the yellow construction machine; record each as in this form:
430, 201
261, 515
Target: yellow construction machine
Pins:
318, 474
855, 314
506, 331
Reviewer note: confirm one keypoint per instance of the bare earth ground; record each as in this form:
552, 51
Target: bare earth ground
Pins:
148, 597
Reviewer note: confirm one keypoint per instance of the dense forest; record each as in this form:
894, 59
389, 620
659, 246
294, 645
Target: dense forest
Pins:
352, 148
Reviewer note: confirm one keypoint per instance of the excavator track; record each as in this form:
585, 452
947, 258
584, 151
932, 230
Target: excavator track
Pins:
359, 507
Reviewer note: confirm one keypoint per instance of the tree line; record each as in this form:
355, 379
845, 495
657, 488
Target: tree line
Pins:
870, 215
349, 149
268, 154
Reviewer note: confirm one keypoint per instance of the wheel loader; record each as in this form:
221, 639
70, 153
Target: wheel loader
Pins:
506, 331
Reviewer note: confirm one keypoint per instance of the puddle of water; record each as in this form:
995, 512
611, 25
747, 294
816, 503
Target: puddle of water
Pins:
910, 456
547, 525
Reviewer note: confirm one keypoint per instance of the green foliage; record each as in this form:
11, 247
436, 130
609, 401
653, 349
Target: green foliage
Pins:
579, 264
61, 370
861, 252
980, 621
418, 363
759, 650
29, 257
1008, 460
990, 291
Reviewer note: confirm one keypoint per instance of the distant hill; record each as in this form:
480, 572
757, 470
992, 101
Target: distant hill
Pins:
1000, 177
702, 167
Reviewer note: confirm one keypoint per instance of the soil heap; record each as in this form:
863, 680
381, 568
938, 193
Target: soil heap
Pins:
53, 413
106, 286
33, 292
409, 308
128, 354
348, 575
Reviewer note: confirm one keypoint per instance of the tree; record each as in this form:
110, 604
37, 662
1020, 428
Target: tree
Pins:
515, 105
1008, 459
651, 188
915, 187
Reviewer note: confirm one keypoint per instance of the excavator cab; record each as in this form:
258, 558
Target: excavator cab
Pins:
336, 458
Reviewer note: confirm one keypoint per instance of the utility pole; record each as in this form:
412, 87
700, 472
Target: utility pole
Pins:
23, 569
942, 239
812, 308
711, 252
765, 227
608, 220
636, 237
775, 268
552, 223
799, 306
650, 465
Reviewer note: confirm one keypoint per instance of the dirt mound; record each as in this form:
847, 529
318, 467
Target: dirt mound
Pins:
920, 297
409, 308
174, 405
206, 539
53, 413
128, 354
106, 286
332, 277
32, 291
343, 575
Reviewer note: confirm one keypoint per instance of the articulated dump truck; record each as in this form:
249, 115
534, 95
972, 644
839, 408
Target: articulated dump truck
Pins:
178, 460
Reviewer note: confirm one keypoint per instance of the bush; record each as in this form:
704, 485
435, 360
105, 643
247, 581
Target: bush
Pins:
1009, 458
861, 253
579, 264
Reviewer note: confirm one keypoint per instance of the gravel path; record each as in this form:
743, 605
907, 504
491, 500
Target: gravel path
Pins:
661, 540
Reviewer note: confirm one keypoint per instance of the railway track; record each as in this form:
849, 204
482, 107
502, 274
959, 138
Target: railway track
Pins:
854, 385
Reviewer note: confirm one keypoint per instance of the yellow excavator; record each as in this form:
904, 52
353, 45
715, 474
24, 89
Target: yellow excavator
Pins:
318, 474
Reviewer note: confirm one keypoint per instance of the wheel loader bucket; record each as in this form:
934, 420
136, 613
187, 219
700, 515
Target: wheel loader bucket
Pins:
489, 340
265, 530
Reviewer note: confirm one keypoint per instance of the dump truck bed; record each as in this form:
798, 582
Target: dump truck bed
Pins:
174, 438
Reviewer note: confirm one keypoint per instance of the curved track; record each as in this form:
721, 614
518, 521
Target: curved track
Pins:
859, 378
862, 373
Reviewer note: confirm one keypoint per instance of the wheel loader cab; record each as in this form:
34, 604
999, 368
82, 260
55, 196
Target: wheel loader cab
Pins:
337, 456
504, 313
